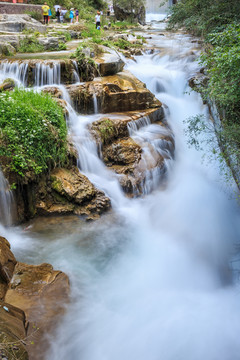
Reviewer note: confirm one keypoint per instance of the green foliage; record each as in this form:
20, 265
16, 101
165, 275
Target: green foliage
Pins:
106, 130
33, 132
30, 44
203, 16
62, 46
35, 15
223, 63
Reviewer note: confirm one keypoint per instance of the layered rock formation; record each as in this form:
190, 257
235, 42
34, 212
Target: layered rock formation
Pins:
31, 299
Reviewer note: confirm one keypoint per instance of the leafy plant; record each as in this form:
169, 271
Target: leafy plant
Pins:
33, 132
30, 44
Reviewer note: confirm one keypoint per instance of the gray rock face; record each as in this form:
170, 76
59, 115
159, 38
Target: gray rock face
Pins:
49, 43
6, 49
19, 22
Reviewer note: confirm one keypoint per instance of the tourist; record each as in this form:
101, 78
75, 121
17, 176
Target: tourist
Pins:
58, 14
49, 14
98, 20
76, 14
61, 15
45, 9
71, 15
64, 11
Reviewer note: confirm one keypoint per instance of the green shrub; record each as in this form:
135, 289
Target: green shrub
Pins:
30, 44
33, 132
35, 15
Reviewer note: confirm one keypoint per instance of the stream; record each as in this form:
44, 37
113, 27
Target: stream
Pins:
157, 277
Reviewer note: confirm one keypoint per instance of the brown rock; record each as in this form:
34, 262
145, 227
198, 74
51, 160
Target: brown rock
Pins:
13, 333
41, 293
72, 192
117, 93
7, 264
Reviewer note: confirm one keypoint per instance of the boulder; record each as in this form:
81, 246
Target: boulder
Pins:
114, 126
135, 160
49, 43
7, 265
13, 333
8, 84
109, 64
11, 23
68, 192
42, 294
6, 49
117, 93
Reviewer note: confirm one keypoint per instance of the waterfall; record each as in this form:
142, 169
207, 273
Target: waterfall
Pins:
150, 279
46, 74
17, 71
6, 201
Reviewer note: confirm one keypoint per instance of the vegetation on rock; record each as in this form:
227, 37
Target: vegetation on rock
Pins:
33, 133
219, 23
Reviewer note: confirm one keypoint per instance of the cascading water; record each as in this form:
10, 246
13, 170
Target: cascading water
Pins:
6, 201
150, 280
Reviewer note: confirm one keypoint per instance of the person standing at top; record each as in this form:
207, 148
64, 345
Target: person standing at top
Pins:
71, 15
76, 14
98, 20
58, 14
49, 14
45, 9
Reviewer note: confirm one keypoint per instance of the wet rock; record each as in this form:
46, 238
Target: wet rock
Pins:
41, 293
117, 93
11, 23
109, 64
198, 80
8, 84
134, 160
7, 265
70, 191
13, 333
115, 126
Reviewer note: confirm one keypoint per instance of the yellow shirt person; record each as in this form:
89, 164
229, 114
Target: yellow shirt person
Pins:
45, 9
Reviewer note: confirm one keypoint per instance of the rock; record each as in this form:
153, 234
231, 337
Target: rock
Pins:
133, 160
49, 43
7, 265
11, 23
198, 80
41, 293
136, 13
70, 191
109, 64
117, 93
13, 333
12, 39
8, 84
6, 49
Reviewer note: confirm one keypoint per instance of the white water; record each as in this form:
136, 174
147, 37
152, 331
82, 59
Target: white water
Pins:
6, 201
150, 281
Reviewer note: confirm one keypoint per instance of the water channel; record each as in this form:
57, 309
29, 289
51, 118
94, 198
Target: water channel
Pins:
153, 279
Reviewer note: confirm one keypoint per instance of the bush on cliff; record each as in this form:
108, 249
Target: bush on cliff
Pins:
204, 16
33, 133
